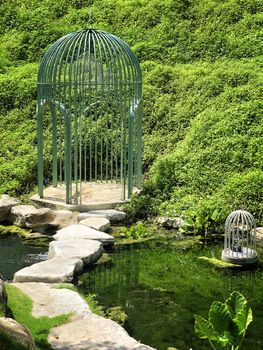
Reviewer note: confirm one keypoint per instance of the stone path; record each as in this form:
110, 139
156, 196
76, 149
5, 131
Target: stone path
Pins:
52, 271
75, 246
85, 331
79, 231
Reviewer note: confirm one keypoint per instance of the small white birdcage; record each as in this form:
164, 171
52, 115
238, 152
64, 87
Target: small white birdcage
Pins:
240, 238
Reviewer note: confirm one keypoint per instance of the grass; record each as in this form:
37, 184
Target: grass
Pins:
21, 310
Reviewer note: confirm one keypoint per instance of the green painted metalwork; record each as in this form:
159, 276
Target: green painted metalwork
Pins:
92, 85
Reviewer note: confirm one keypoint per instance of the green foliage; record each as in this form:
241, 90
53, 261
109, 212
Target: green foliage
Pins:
202, 70
135, 232
21, 308
204, 220
227, 322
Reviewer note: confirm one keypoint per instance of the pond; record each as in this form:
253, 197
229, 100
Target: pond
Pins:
16, 254
161, 289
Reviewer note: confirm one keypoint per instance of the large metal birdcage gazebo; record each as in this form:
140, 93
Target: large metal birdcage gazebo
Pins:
91, 83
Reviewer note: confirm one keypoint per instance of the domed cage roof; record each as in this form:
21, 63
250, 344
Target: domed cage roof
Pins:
91, 82
240, 238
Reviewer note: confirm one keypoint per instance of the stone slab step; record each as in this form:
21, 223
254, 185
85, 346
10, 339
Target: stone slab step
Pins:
93, 333
87, 250
83, 232
51, 301
58, 270
115, 216
100, 224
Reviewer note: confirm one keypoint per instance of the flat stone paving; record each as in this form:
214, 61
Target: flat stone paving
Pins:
84, 331
57, 270
95, 195
87, 250
79, 231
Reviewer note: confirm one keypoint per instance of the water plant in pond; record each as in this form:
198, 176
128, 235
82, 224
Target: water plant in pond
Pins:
227, 322
134, 232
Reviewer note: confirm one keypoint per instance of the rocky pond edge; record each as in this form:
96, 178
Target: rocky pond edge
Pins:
76, 246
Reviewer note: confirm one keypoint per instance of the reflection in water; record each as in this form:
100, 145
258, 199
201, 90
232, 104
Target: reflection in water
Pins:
14, 255
161, 290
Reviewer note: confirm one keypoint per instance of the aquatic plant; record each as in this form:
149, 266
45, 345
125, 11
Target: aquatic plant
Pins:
135, 232
227, 322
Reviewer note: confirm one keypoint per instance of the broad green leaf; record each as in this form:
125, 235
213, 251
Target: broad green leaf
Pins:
240, 312
236, 302
204, 329
243, 319
220, 317
226, 339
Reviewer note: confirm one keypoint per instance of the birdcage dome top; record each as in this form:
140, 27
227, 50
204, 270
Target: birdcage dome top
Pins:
71, 59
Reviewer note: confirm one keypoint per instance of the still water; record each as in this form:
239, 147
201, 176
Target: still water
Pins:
161, 290
15, 254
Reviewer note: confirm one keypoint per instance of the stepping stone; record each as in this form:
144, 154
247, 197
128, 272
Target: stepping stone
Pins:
100, 224
57, 270
51, 301
83, 232
87, 250
113, 215
94, 332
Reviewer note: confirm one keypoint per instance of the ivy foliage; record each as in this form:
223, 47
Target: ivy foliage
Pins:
202, 70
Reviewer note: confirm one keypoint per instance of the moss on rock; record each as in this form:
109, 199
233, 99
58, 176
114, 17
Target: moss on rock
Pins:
218, 263
9, 230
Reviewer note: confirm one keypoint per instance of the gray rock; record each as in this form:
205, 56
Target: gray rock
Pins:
94, 332
27, 216
64, 218
57, 270
83, 232
170, 223
87, 250
6, 203
3, 298
17, 333
100, 224
52, 300
113, 215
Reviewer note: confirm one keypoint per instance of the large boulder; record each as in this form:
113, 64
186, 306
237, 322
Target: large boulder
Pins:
6, 203
3, 298
83, 232
57, 270
100, 224
87, 250
115, 216
27, 216
17, 333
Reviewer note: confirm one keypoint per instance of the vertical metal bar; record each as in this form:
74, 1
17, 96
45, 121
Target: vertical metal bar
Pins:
130, 154
94, 110
54, 144
100, 83
40, 112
